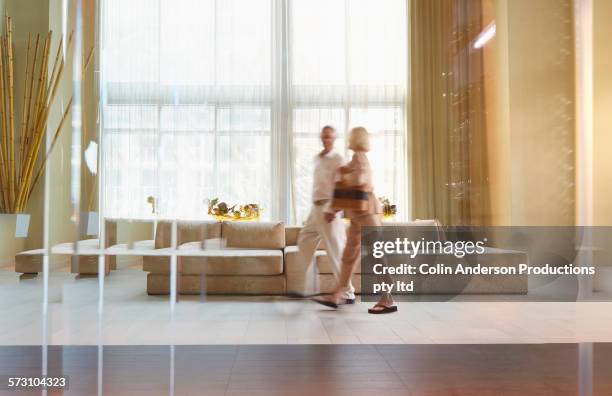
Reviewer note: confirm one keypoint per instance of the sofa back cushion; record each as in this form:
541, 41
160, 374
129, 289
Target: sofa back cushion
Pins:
197, 231
187, 231
254, 235
163, 234
110, 229
291, 235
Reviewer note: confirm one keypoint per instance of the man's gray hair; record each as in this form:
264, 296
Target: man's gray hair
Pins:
328, 127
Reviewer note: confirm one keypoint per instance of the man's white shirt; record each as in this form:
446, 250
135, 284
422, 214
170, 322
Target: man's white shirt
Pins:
325, 175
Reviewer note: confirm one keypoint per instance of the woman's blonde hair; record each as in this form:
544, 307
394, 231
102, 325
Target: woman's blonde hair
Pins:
359, 139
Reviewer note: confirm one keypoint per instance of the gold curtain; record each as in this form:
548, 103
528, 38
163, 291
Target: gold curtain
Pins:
448, 157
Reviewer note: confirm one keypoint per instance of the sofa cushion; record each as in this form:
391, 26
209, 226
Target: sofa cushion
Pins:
233, 262
219, 262
187, 231
218, 284
254, 235
324, 266
207, 244
157, 264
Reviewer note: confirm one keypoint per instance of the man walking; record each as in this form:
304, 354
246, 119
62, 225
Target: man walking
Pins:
323, 224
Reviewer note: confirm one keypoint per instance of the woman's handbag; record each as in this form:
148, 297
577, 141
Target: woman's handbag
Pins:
354, 198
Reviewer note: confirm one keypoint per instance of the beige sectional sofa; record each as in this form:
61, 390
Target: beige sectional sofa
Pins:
253, 258
260, 258
220, 258
30, 262
235, 258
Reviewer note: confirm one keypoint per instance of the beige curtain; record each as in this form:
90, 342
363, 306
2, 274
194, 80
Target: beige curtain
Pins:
448, 158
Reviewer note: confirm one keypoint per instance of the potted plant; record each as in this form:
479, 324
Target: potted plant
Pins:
23, 134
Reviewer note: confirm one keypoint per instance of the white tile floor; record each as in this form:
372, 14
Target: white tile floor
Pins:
131, 317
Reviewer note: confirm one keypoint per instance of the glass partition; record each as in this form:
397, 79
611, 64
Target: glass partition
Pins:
163, 170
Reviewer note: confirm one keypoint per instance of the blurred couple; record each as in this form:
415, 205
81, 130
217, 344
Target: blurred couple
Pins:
325, 224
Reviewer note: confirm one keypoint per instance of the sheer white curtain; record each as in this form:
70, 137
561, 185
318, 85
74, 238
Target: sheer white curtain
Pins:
225, 98
187, 105
349, 68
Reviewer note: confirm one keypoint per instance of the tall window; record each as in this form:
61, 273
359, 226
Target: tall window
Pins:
225, 98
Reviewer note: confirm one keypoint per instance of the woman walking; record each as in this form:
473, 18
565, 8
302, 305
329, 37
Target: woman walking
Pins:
358, 174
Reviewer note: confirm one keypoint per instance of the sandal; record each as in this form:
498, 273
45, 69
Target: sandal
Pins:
332, 304
324, 301
385, 309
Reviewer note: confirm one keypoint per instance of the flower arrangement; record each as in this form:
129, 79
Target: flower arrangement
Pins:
389, 210
222, 211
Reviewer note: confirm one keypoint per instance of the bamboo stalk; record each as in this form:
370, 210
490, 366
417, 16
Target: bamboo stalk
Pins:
25, 193
18, 162
55, 82
57, 57
4, 138
51, 89
42, 78
50, 93
3, 180
41, 102
36, 132
55, 79
11, 110
5, 124
30, 104
40, 87
88, 60
48, 153
24, 108
5, 143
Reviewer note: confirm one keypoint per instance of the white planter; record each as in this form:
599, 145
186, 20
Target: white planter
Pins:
15, 225
13, 231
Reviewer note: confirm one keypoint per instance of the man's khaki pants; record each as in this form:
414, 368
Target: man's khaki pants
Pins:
333, 236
